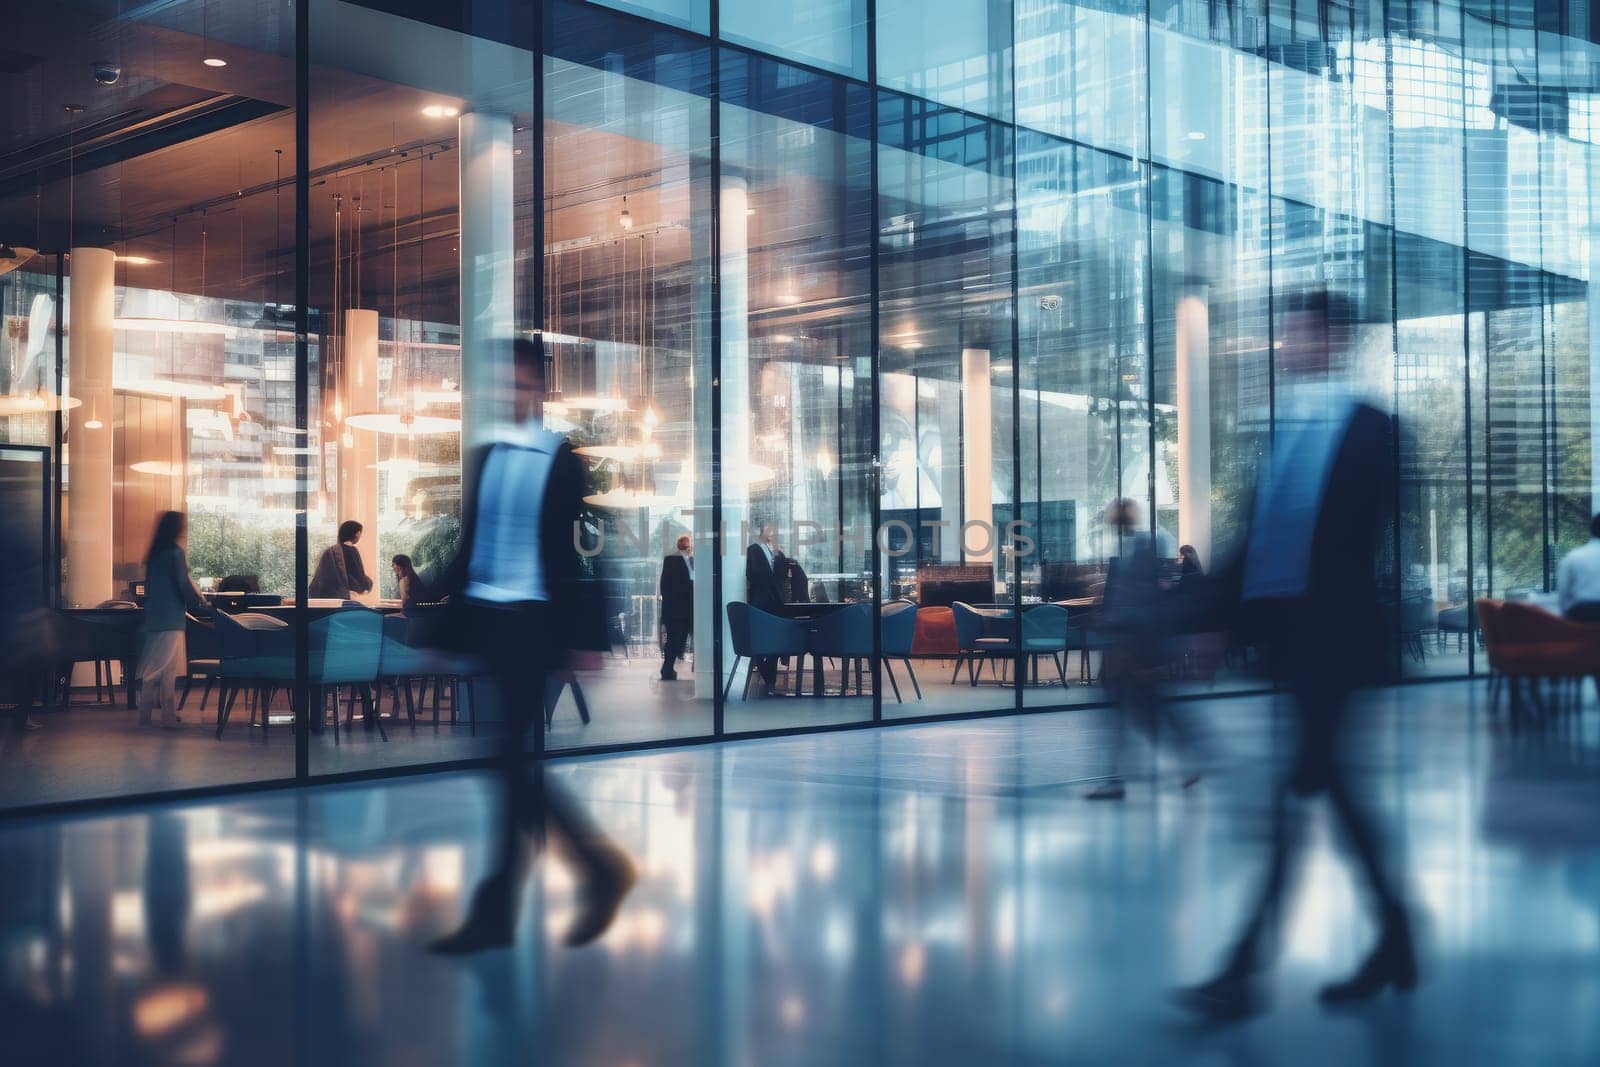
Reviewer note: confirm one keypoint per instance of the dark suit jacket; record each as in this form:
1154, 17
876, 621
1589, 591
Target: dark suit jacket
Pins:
795, 582
1333, 637
763, 584
562, 506
677, 588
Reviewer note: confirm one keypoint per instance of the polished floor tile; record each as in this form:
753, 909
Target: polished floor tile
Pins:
938, 894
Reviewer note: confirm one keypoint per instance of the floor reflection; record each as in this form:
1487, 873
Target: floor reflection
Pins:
919, 894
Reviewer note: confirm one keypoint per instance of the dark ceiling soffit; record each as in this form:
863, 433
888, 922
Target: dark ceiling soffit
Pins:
118, 146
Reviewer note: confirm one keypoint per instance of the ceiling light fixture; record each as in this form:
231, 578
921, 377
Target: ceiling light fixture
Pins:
625, 220
440, 111
214, 61
135, 261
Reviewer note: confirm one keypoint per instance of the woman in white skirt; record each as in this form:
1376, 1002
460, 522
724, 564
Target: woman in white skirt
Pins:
169, 595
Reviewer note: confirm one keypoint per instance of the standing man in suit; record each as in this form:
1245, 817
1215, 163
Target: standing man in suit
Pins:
765, 571
516, 580
677, 605
1308, 588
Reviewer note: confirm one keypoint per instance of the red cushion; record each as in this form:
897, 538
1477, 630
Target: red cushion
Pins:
936, 633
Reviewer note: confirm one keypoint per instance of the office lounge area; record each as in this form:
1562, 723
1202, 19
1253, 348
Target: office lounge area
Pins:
270, 280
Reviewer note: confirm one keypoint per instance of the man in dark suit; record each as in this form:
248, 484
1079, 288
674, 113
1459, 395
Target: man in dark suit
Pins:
677, 605
1307, 586
765, 571
515, 581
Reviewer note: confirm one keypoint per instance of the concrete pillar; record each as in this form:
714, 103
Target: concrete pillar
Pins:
358, 452
947, 412
735, 413
488, 277
977, 453
91, 313
1194, 425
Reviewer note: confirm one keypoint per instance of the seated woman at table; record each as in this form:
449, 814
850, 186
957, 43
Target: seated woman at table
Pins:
413, 590
169, 595
339, 572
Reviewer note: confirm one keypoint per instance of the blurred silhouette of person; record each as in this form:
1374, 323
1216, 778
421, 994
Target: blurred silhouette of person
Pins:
1189, 563
340, 572
765, 568
516, 578
677, 605
167, 897
169, 595
413, 590
1578, 578
1307, 584
1132, 616
28, 631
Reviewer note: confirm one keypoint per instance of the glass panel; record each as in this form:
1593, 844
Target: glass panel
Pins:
627, 329
824, 33
689, 14
1211, 311
175, 237
422, 175
946, 385
796, 392
955, 52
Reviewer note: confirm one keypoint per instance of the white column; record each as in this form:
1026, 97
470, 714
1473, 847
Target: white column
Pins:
1194, 425
91, 313
358, 453
735, 415
947, 412
488, 277
977, 452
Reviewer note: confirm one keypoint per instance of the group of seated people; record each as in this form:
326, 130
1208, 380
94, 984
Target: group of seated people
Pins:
340, 574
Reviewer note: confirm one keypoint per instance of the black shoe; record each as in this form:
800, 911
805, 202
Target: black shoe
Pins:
599, 899
488, 925
1112, 790
475, 935
669, 676
1229, 997
1392, 963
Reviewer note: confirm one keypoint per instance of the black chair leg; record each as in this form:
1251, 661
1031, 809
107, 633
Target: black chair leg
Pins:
1061, 672
224, 708
472, 708
728, 687
916, 688
957, 672
205, 694
411, 705
888, 671
188, 684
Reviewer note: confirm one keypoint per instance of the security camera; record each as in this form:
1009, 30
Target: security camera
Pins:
1050, 303
107, 73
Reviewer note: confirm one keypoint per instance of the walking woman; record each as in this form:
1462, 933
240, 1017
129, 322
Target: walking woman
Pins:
169, 595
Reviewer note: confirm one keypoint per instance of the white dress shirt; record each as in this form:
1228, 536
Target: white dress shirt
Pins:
1578, 576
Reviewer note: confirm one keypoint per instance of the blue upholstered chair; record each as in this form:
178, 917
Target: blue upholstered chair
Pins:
845, 635
404, 660
758, 633
1045, 629
255, 652
346, 652
979, 640
898, 622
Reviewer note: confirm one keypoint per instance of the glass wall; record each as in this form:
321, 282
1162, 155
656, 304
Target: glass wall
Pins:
859, 326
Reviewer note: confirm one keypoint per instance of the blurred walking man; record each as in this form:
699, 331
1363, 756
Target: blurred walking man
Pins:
1308, 585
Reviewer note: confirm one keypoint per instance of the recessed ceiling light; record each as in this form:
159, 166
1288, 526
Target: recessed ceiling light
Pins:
1196, 135
440, 111
135, 261
214, 61
782, 338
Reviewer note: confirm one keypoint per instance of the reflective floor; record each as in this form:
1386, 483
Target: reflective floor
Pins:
918, 894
